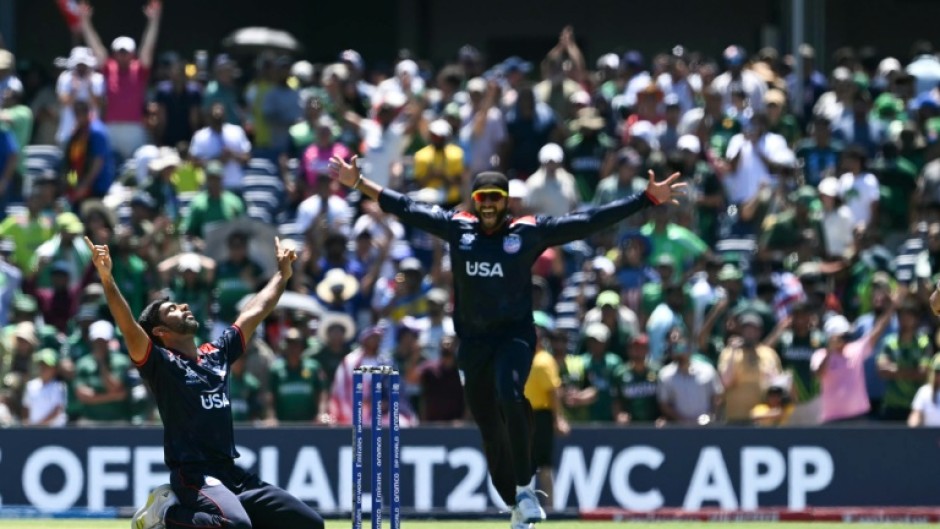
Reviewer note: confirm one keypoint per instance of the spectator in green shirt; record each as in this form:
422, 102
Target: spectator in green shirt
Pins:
636, 387
903, 363
779, 120
101, 378
212, 205
29, 230
298, 385
245, 394
784, 232
223, 90
670, 238
796, 339
236, 277
596, 385
18, 119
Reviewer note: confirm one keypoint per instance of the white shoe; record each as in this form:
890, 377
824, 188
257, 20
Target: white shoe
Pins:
517, 522
150, 516
527, 503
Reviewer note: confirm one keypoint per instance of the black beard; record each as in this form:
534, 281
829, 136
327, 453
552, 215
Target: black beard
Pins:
186, 327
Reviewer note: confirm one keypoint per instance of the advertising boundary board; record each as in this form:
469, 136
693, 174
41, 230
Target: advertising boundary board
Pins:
443, 469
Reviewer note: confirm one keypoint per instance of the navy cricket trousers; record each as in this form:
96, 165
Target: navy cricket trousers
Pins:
226, 496
496, 369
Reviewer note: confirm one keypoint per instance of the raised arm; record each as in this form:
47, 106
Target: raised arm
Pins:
258, 308
567, 228
149, 40
138, 343
431, 219
90, 35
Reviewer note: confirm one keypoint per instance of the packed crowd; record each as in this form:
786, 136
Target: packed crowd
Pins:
791, 287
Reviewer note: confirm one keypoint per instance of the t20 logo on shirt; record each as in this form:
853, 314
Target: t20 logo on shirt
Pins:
484, 269
214, 400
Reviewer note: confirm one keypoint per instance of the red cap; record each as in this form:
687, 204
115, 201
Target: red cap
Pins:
641, 339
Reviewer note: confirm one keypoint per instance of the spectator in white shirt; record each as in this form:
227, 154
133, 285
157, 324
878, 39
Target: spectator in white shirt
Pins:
637, 76
925, 67
383, 137
679, 81
750, 154
552, 189
406, 81
436, 325
45, 397
838, 222
224, 142
337, 216
860, 189
837, 101
483, 128
737, 78
925, 409
80, 82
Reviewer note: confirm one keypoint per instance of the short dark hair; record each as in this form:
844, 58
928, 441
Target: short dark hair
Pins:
150, 318
856, 152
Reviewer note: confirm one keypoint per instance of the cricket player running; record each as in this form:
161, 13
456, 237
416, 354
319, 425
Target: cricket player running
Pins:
491, 257
190, 384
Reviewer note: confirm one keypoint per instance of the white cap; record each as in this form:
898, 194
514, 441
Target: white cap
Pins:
837, 326
101, 330
518, 189
646, 131
689, 142
888, 65
124, 43
407, 66
609, 60
597, 331
302, 70
440, 127
477, 84
829, 186
394, 99
580, 97
603, 264
551, 152
189, 261
81, 55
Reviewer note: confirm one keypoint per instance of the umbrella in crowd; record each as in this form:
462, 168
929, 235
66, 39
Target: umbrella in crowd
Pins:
258, 39
291, 301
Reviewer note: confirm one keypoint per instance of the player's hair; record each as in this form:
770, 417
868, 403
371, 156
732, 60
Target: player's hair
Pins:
150, 318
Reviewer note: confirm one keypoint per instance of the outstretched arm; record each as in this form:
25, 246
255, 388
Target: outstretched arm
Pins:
258, 308
90, 35
560, 230
431, 219
138, 343
149, 41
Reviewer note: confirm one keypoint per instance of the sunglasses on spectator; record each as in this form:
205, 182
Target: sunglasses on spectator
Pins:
492, 195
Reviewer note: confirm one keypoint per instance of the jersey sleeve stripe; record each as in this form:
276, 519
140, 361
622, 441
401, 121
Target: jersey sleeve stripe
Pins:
146, 356
242, 336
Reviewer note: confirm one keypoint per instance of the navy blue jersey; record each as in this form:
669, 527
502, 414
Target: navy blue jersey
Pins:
493, 272
193, 399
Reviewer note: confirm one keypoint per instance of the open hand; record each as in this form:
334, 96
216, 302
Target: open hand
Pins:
84, 11
285, 258
346, 173
100, 257
667, 191
153, 9
935, 300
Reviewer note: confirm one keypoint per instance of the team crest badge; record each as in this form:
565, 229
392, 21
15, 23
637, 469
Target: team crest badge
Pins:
466, 240
512, 243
